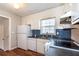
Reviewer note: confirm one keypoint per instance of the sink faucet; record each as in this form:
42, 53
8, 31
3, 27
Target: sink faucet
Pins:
35, 35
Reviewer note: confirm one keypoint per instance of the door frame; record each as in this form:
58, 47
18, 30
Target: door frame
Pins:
9, 44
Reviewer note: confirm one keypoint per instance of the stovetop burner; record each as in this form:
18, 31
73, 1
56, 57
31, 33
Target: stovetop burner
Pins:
64, 43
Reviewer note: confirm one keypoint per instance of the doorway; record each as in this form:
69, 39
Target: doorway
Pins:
4, 33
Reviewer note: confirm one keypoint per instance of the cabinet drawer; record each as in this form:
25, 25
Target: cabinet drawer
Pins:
42, 40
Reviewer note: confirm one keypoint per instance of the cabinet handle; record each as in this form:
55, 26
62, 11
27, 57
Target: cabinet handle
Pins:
45, 49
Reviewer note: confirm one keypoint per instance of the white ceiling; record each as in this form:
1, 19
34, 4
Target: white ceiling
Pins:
29, 8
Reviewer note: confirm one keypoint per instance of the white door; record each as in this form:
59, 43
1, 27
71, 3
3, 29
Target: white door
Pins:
22, 41
1, 37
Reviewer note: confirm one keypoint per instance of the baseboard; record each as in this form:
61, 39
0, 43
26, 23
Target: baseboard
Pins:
10, 49
5, 49
22, 48
14, 48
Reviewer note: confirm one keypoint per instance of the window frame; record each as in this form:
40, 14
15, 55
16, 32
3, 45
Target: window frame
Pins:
48, 26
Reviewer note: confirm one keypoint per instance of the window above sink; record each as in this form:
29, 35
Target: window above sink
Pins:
47, 26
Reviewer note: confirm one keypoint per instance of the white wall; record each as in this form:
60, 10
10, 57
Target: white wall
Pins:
34, 19
14, 21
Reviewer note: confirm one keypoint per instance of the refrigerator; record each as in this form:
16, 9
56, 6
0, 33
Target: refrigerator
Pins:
23, 31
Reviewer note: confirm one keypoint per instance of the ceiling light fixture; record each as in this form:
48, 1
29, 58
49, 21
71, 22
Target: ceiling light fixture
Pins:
18, 5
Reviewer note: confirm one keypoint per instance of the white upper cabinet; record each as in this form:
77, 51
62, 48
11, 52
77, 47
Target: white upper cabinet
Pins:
75, 15
75, 6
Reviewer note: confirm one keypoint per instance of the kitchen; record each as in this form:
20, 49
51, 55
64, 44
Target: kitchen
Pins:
64, 30
50, 29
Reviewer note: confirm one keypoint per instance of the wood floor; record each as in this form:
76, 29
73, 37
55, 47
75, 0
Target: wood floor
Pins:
19, 52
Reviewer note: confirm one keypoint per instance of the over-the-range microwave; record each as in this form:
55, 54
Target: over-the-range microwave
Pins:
74, 16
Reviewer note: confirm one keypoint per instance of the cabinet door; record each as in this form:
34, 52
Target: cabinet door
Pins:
32, 44
41, 45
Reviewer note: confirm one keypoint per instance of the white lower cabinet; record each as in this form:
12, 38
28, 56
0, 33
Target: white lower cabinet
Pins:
32, 44
40, 45
36, 44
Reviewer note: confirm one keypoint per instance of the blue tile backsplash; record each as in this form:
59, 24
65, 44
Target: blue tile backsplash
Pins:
35, 32
64, 33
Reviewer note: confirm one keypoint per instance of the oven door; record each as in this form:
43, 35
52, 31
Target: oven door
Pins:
53, 51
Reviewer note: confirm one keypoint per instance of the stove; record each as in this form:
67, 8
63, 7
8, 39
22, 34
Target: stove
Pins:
57, 47
64, 43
